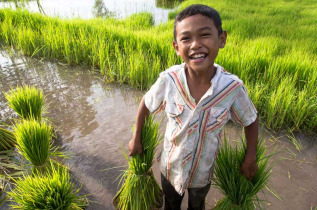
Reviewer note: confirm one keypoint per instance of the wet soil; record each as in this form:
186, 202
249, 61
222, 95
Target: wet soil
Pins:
94, 120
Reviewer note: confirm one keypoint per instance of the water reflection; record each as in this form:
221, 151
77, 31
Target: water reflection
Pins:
64, 95
94, 119
100, 10
92, 8
40, 7
25, 4
167, 4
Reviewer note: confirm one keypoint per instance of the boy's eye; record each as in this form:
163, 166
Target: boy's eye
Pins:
184, 38
206, 34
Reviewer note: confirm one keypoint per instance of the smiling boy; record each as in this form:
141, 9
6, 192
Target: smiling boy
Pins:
199, 98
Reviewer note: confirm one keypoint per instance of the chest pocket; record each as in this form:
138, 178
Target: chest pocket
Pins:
217, 118
174, 111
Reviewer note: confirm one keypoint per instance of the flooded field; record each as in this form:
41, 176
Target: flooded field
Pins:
97, 8
95, 119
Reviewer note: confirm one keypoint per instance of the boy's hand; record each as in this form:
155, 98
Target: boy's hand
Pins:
135, 147
249, 166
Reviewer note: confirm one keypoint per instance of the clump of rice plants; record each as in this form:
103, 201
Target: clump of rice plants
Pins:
140, 189
27, 102
34, 142
7, 139
240, 193
52, 190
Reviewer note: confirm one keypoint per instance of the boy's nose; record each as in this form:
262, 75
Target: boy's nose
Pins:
195, 44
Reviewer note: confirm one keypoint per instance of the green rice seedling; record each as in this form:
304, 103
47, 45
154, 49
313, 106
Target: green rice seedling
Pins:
52, 190
34, 142
140, 189
7, 139
295, 141
27, 102
240, 193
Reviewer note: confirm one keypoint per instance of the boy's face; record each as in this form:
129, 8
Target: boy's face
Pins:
198, 42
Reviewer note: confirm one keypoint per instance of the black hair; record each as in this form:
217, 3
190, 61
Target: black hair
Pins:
201, 9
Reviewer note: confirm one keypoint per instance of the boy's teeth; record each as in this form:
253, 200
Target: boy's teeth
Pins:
198, 56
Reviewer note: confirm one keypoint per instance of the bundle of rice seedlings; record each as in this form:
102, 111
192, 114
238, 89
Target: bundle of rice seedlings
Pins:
52, 190
7, 139
27, 102
140, 189
34, 142
240, 193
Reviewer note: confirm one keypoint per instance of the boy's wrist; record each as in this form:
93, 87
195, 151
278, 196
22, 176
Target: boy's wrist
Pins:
250, 155
136, 137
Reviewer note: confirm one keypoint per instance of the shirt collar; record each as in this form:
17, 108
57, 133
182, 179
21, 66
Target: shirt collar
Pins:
215, 78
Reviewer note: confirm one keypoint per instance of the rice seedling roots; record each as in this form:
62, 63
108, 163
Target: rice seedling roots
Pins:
159, 195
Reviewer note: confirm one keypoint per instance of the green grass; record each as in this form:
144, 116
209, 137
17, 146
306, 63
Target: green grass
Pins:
53, 190
34, 142
7, 139
271, 46
140, 189
27, 102
240, 193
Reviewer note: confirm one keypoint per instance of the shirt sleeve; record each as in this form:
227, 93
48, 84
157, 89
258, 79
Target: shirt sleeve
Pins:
243, 111
155, 97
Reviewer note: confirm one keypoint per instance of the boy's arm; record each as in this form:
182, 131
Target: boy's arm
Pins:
249, 166
135, 145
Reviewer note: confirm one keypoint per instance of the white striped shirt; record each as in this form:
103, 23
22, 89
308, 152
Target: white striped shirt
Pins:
193, 131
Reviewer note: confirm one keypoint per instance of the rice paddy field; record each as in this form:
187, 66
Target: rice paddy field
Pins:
271, 47
79, 63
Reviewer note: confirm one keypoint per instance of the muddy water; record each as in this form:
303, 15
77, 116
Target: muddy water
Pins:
94, 121
93, 118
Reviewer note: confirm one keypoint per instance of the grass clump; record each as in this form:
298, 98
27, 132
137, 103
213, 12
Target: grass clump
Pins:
27, 102
34, 142
53, 190
7, 139
140, 189
240, 193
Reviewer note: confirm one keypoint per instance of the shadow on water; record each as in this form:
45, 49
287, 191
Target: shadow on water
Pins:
100, 186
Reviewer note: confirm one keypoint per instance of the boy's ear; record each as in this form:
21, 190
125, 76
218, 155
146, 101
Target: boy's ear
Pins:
176, 48
223, 39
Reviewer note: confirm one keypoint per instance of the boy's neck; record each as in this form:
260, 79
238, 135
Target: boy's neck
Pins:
202, 77
199, 82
